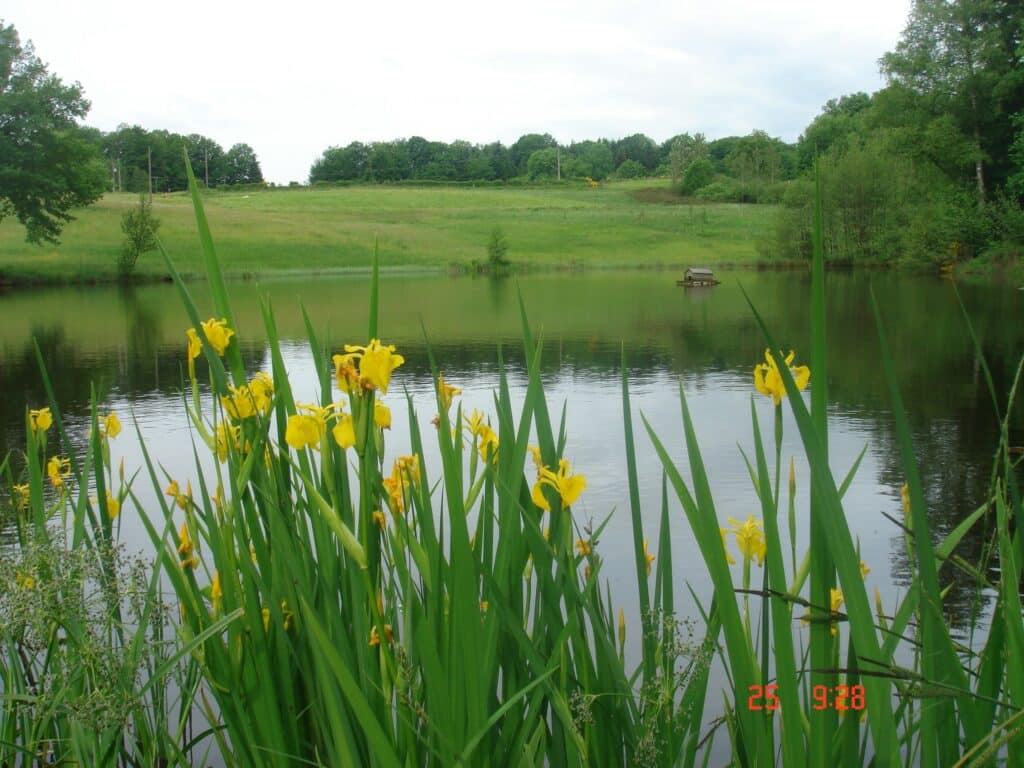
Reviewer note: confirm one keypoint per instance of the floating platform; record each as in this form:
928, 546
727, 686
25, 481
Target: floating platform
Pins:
697, 283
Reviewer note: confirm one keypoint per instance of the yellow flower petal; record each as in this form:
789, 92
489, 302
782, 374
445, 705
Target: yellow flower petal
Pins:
381, 415
344, 433
304, 430
538, 497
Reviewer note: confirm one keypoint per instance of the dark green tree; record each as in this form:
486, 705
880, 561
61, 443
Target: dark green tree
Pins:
630, 169
525, 146
388, 161
838, 119
964, 58
207, 159
637, 147
543, 164
598, 155
241, 166
48, 164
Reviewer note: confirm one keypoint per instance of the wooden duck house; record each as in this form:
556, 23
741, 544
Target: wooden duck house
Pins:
697, 276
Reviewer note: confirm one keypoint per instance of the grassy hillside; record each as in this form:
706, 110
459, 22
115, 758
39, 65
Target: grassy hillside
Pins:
311, 230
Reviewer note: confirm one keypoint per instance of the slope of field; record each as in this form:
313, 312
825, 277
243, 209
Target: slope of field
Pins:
315, 230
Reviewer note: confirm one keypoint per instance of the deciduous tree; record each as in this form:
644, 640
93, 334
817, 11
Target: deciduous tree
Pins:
241, 166
48, 164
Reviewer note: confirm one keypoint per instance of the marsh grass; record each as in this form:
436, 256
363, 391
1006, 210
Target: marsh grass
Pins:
333, 611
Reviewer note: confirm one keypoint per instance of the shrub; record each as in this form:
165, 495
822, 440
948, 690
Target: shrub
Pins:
630, 169
497, 249
698, 174
139, 227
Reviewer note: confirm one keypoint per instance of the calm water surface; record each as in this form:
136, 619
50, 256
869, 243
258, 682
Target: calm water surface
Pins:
130, 343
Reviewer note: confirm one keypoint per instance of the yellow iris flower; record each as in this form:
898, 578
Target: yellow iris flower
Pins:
216, 593
768, 380
58, 470
195, 346
836, 600
113, 506
648, 557
227, 436
487, 442
583, 547
218, 334
408, 467
262, 389
750, 539
474, 422
286, 617
23, 581
249, 399
447, 392
111, 425
186, 549
23, 494
569, 487
405, 470
174, 491
376, 362
40, 419
375, 636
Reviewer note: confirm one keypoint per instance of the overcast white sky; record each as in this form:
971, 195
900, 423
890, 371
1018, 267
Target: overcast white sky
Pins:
292, 78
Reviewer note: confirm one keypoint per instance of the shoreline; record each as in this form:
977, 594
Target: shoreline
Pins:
15, 282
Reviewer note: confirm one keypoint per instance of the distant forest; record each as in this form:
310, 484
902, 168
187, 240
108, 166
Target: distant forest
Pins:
746, 168
130, 152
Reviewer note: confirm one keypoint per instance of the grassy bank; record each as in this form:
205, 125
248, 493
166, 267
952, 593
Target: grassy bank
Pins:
313, 230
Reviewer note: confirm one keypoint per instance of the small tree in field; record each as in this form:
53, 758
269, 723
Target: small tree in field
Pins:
139, 227
497, 248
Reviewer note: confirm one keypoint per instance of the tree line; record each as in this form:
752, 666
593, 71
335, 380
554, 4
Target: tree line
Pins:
742, 168
132, 155
930, 169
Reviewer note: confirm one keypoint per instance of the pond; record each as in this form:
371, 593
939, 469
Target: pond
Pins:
130, 344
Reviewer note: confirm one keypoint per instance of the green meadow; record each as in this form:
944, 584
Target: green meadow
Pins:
624, 224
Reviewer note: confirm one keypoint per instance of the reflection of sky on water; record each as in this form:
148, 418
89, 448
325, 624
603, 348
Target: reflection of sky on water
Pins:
719, 403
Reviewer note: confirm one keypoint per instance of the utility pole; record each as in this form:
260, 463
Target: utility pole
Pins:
558, 162
206, 166
149, 166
